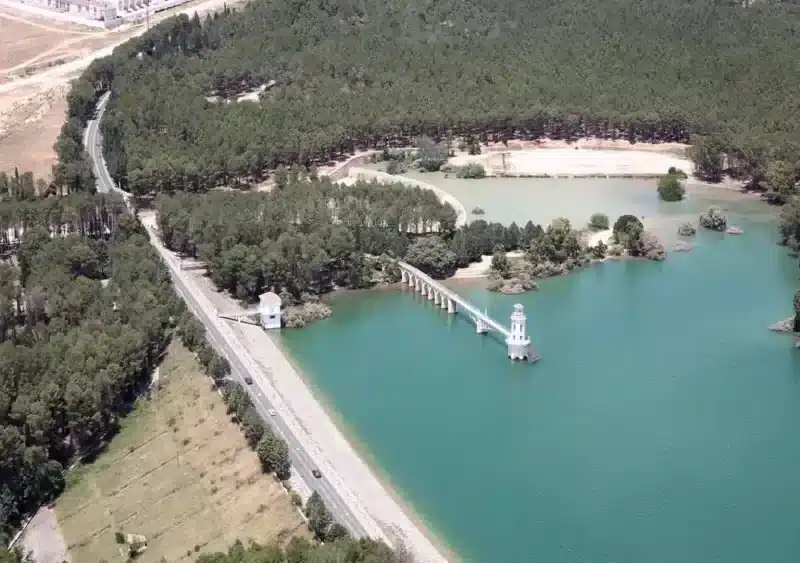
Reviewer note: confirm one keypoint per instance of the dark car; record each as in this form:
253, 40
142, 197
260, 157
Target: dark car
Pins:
316, 473
248, 380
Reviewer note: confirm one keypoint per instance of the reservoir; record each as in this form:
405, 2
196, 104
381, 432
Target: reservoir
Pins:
660, 425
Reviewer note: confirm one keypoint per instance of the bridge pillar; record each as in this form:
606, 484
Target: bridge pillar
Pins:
403, 276
430, 293
417, 284
480, 326
451, 306
443, 301
436, 297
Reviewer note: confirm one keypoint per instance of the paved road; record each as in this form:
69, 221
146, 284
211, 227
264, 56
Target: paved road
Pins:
302, 460
93, 142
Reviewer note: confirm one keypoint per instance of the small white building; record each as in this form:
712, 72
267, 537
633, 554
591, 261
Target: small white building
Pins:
269, 309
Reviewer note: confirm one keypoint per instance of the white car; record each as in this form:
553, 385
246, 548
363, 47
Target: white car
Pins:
271, 412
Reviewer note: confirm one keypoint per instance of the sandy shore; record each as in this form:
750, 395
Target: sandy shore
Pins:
604, 236
678, 149
575, 162
480, 269
365, 174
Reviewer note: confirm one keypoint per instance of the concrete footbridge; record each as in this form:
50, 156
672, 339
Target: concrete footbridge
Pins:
519, 345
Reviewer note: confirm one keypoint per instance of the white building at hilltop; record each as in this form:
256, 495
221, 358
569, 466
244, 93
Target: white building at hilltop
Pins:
269, 309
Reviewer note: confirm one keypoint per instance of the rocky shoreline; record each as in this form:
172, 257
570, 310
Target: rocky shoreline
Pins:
297, 316
786, 325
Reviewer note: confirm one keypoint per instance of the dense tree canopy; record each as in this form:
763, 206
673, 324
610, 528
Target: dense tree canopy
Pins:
332, 77
670, 188
298, 550
85, 306
305, 238
311, 235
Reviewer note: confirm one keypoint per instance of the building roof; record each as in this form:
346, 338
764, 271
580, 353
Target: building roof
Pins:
270, 298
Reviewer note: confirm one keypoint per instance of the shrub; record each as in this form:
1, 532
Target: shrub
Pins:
205, 354
599, 251
500, 264
652, 249
431, 155
599, 222
677, 172
622, 227
478, 211
670, 188
714, 219
432, 256
336, 532
687, 229
472, 170
395, 167
219, 367
296, 500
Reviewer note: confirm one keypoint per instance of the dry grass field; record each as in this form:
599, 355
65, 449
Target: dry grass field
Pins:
30, 131
179, 473
24, 37
31, 117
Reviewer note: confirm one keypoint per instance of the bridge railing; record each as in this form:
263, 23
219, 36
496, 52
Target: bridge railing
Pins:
460, 301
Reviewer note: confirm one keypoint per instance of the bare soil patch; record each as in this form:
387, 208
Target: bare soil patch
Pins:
21, 40
179, 473
9, 12
28, 130
43, 540
31, 115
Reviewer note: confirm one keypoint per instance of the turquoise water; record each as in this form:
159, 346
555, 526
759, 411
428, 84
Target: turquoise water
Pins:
662, 424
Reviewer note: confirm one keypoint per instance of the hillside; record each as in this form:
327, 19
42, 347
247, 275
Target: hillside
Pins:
349, 75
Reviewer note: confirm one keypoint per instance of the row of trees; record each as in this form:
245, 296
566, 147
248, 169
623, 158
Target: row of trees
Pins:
18, 187
272, 450
300, 550
339, 82
321, 521
81, 214
85, 311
